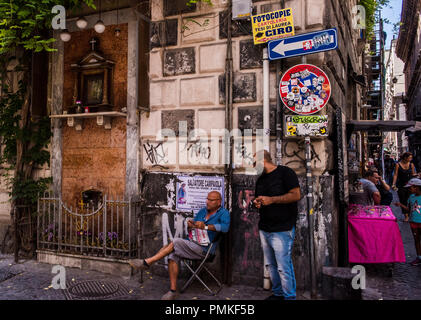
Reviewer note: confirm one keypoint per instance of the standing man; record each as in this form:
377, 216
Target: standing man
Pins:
277, 193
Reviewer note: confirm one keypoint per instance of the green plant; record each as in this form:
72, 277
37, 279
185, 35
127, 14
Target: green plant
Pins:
24, 23
25, 28
191, 2
35, 137
371, 6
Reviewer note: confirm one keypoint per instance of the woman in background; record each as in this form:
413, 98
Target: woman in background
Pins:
404, 171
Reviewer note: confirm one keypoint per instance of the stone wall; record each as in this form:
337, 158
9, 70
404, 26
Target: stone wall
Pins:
187, 83
112, 48
95, 157
187, 70
161, 223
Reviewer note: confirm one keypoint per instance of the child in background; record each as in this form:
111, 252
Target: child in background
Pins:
414, 209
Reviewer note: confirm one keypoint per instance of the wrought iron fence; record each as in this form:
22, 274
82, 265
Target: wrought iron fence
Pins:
106, 230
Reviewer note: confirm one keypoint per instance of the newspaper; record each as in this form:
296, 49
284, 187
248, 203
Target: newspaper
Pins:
199, 236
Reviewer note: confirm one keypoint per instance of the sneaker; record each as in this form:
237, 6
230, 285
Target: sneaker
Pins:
273, 297
170, 295
416, 262
138, 264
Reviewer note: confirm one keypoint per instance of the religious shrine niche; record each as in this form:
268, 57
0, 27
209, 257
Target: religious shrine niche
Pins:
93, 82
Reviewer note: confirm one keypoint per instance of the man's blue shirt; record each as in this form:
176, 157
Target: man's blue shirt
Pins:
220, 219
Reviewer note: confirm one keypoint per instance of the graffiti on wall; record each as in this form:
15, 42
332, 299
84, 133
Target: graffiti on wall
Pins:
155, 153
198, 152
298, 152
243, 153
180, 228
248, 257
249, 217
159, 153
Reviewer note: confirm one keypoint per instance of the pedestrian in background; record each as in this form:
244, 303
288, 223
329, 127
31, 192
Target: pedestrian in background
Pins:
389, 166
413, 207
404, 171
386, 197
277, 193
371, 193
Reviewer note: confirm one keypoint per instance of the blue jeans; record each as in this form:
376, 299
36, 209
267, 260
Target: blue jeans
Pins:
277, 248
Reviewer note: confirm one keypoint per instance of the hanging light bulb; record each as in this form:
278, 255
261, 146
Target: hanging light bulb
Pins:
99, 25
65, 35
117, 30
81, 23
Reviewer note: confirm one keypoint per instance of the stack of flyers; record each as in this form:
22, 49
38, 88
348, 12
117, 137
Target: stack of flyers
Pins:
199, 236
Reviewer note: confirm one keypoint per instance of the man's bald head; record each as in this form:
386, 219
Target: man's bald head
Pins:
213, 201
215, 194
263, 154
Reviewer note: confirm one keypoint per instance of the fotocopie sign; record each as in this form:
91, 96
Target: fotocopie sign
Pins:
304, 89
272, 25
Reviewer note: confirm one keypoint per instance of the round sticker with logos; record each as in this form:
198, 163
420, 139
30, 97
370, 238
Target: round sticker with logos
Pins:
305, 89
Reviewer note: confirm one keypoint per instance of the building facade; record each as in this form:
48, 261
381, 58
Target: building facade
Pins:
177, 78
394, 109
408, 49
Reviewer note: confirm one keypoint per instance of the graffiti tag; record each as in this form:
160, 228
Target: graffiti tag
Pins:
155, 154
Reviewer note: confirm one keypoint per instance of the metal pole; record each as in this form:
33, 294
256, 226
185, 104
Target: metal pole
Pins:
227, 260
266, 111
279, 117
279, 121
309, 196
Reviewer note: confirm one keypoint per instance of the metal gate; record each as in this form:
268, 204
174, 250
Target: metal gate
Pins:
107, 230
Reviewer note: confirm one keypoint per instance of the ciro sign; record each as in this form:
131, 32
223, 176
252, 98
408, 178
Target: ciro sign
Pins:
304, 89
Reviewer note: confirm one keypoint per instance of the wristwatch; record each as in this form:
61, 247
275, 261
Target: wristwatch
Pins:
206, 227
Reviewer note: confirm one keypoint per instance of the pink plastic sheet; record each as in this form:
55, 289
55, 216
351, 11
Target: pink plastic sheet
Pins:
373, 235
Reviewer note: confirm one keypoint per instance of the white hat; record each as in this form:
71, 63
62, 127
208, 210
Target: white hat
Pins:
413, 182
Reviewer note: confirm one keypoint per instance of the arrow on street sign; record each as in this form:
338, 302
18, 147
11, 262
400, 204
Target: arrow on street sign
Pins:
282, 47
302, 44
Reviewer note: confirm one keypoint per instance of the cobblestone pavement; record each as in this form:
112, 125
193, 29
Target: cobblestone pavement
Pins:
30, 280
405, 281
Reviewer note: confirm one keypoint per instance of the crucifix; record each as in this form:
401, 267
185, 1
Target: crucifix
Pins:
93, 43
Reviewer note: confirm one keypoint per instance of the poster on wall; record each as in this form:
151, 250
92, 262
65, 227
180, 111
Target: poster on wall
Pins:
272, 25
306, 126
304, 89
192, 191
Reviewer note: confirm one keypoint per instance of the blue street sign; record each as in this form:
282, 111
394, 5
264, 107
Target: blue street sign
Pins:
302, 44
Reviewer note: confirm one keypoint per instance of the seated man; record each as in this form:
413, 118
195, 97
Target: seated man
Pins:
213, 218
371, 193
386, 196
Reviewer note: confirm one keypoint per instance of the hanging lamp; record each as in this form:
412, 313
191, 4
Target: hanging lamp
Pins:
99, 25
81, 23
65, 35
117, 30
